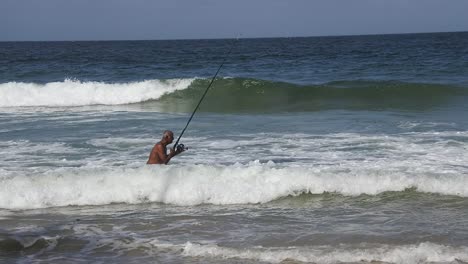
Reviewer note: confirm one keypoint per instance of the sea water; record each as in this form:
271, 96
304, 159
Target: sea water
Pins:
323, 149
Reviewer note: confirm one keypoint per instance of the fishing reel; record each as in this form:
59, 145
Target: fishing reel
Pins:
180, 148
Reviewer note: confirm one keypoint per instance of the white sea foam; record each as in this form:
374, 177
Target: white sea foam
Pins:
417, 253
77, 93
199, 184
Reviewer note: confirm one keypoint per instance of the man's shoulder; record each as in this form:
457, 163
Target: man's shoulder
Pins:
158, 145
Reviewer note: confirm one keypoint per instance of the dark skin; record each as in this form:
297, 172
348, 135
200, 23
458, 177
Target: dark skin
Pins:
159, 154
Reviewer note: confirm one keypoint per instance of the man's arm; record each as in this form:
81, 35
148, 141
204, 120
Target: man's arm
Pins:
172, 153
163, 156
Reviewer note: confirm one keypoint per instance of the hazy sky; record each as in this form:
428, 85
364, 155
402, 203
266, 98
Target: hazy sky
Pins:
176, 19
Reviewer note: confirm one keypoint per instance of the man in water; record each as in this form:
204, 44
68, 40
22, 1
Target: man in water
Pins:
159, 154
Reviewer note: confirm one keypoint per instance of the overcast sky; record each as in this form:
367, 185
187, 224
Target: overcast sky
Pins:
181, 19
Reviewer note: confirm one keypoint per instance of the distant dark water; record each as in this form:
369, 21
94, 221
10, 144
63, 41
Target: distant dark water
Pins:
420, 58
324, 150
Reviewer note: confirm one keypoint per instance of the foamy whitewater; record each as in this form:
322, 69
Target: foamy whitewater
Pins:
424, 252
77, 93
202, 184
305, 150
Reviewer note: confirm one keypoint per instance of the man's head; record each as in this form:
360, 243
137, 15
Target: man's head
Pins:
168, 136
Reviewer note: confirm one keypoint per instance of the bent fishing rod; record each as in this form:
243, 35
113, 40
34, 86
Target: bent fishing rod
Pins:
177, 145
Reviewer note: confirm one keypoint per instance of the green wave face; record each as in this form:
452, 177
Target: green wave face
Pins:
239, 95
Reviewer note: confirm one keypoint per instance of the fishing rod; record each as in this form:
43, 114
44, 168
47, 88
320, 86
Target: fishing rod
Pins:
181, 146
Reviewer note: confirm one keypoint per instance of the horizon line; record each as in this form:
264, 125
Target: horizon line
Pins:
230, 38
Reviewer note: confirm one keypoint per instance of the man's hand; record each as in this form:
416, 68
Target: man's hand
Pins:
172, 152
179, 150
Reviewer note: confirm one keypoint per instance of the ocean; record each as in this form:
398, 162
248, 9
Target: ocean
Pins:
349, 149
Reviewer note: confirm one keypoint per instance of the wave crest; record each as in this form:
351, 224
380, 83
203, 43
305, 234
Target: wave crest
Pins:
252, 95
233, 95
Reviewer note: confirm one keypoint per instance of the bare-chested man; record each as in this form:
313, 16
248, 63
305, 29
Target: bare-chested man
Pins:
159, 154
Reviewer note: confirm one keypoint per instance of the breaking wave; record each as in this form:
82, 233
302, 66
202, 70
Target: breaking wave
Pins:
413, 253
233, 95
205, 184
77, 93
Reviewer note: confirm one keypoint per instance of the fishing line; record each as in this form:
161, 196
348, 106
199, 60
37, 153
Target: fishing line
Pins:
206, 91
